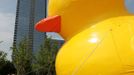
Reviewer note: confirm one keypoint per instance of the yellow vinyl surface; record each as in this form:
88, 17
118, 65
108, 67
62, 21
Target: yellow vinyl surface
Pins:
99, 35
79, 14
106, 48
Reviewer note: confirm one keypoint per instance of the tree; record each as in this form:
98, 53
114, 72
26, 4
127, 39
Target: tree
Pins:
2, 59
22, 57
44, 63
8, 68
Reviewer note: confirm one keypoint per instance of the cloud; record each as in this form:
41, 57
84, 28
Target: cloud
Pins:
8, 5
6, 32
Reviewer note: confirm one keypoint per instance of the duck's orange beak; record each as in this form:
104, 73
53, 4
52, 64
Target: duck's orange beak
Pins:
50, 24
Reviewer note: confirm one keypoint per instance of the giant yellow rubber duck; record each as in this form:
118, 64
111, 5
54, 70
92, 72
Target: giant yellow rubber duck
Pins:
99, 36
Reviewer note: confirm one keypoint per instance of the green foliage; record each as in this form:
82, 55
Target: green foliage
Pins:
8, 68
22, 57
2, 59
44, 62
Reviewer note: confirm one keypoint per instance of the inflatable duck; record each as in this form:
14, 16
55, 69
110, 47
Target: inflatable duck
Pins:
99, 36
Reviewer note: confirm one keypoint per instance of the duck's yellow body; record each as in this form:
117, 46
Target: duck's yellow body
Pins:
106, 48
99, 37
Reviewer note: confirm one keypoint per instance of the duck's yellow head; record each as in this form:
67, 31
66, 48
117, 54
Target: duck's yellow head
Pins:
76, 15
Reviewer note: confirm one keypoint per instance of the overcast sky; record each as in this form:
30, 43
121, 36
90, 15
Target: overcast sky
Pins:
7, 21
